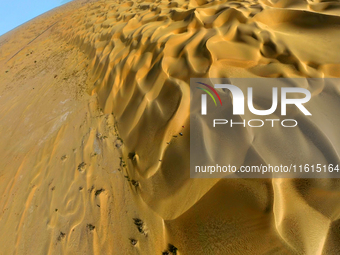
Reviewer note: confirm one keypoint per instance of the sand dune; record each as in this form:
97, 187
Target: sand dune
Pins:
92, 95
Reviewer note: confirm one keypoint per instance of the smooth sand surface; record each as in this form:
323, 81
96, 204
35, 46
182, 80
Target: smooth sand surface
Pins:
93, 92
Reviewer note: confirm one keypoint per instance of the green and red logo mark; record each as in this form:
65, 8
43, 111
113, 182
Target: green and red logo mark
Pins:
208, 92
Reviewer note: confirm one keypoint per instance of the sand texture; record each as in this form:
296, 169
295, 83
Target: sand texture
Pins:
93, 96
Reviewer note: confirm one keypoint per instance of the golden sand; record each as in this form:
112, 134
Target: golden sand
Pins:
93, 81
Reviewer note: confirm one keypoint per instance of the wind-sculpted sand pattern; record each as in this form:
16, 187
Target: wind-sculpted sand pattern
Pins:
65, 189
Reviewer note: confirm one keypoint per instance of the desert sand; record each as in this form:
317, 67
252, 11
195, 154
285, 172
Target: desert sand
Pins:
91, 95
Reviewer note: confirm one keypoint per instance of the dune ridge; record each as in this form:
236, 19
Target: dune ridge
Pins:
111, 79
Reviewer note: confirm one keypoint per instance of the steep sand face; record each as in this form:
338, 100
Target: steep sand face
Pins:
93, 81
